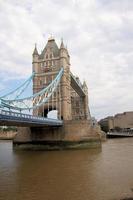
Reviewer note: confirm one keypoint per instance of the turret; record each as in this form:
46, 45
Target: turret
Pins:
65, 83
63, 50
62, 44
86, 106
85, 88
64, 56
35, 57
68, 55
35, 54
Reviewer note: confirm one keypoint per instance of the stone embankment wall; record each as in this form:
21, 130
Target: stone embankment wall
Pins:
74, 134
7, 135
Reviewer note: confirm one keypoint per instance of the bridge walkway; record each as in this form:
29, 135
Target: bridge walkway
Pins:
9, 118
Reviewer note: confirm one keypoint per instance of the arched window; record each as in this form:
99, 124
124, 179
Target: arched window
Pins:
53, 63
50, 62
41, 64
45, 80
48, 79
40, 82
46, 56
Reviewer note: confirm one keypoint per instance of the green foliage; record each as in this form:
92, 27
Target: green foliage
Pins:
8, 128
104, 128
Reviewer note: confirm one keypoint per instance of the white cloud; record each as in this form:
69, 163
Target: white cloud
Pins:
99, 35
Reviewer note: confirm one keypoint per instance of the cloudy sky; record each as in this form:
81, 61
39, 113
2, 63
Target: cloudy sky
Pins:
99, 37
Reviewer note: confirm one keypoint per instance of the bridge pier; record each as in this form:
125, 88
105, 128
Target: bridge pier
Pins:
74, 134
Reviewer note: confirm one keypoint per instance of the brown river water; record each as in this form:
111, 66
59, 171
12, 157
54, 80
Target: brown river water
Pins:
97, 174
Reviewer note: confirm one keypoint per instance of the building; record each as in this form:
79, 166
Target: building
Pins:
69, 104
69, 98
119, 121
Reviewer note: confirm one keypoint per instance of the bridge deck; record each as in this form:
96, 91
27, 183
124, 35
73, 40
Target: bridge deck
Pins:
24, 120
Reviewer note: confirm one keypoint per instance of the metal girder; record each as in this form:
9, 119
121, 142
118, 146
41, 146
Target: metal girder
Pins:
76, 86
17, 119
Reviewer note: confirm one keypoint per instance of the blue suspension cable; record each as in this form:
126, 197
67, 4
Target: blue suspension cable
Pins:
18, 89
39, 98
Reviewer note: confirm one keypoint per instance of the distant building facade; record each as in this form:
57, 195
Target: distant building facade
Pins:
119, 121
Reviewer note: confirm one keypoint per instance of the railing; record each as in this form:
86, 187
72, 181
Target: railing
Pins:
27, 116
79, 84
122, 133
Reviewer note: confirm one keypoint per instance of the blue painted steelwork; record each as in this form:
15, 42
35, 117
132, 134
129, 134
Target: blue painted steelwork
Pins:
35, 100
15, 94
8, 118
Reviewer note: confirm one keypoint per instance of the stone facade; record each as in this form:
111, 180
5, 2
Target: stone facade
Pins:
70, 100
74, 134
69, 104
7, 135
121, 120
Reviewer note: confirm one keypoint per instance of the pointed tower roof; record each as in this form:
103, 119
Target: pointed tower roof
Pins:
84, 84
35, 52
67, 51
52, 45
62, 44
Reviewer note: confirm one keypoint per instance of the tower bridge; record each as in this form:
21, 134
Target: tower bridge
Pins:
54, 88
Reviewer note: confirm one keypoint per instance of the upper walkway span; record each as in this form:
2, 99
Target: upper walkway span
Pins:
24, 120
76, 86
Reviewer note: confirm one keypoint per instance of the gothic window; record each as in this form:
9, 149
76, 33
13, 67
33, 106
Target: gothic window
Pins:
77, 104
50, 62
50, 55
41, 64
49, 79
77, 111
54, 94
53, 63
46, 56
40, 82
45, 80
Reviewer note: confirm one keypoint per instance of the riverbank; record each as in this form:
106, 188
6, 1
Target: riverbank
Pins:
7, 135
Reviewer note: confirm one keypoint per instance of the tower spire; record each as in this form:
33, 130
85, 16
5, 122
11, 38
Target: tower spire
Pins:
84, 84
62, 44
35, 52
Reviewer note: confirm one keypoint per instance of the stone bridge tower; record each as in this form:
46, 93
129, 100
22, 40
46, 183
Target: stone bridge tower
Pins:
70, 99
69, 104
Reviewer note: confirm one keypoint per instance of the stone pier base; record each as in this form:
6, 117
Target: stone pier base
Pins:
72, 135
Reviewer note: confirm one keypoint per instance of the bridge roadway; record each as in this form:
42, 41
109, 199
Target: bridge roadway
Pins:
9, 118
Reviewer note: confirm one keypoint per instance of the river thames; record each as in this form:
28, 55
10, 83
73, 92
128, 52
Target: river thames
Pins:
97, 174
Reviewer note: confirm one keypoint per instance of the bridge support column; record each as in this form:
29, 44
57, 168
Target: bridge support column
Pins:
66, 96
74, 134
86, 107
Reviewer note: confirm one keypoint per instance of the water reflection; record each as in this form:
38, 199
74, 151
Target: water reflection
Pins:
67, 175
